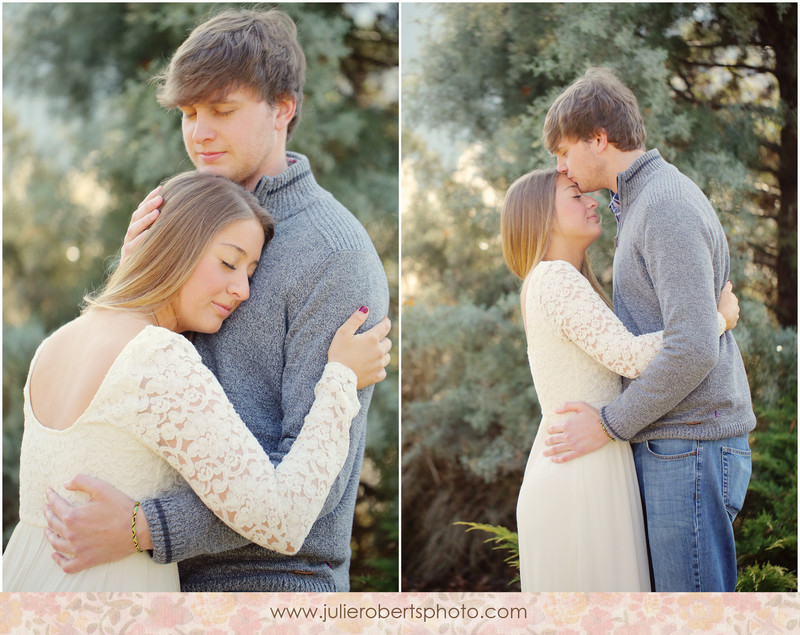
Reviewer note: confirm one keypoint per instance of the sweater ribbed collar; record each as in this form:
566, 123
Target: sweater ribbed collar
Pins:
631, 181
285, 194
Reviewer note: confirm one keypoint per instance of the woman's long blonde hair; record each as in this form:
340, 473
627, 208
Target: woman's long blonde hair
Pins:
196, 207
526, 222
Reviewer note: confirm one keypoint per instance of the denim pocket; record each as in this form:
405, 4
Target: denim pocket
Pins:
672, 449
736, 469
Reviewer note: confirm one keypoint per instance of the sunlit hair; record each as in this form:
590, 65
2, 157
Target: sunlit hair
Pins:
598, 100
196, 207
526, 223
237, 49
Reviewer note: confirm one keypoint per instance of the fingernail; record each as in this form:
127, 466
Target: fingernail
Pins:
364, 309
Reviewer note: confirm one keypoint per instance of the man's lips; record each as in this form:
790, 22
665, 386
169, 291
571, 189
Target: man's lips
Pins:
210, 156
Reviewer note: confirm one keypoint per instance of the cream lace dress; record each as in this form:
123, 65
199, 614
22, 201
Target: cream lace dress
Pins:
160, 417
580, 523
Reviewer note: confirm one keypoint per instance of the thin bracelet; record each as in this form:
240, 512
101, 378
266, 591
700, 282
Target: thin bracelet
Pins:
602, 425
133, 525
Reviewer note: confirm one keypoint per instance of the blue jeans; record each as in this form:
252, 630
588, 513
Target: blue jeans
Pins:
692, 491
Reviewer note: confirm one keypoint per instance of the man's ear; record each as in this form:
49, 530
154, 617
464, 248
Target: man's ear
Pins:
286, 106
600, 140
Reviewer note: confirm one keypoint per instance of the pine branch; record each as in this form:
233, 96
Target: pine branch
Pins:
503, 539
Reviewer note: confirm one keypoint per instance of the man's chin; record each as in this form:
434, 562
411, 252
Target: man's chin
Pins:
217, 170
220, 170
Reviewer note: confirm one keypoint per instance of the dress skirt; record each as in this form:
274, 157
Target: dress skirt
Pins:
580, 523
28, 566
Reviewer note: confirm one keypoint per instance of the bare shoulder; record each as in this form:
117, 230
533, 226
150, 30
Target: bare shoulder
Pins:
96, 335
73, 362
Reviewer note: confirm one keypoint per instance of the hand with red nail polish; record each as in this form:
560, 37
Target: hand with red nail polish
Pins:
367, 353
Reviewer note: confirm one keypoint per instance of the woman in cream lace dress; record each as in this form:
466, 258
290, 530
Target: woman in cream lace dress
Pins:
120, 394
580, 523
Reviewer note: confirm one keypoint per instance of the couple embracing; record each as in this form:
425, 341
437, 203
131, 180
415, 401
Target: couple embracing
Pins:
176, 420
643, 444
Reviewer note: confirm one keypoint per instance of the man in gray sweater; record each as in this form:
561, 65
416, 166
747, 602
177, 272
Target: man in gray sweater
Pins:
689, 413
238, 81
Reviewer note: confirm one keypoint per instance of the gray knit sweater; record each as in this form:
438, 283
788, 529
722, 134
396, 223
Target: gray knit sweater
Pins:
670, 265
320, 267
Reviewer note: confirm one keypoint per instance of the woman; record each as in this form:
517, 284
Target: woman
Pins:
118, 393
580, 523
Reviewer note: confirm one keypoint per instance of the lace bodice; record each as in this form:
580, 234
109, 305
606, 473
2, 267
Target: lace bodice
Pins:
577, 347
160, 415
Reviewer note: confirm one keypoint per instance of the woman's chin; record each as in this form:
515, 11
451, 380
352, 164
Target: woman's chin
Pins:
207, 329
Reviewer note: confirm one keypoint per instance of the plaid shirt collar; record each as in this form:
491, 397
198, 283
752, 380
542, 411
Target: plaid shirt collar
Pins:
615, 205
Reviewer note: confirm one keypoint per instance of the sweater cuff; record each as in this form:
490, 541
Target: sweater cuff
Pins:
163, 549
604, 422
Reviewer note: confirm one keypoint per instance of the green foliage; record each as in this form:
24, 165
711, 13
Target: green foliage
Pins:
503, 539
770, 357
376, 537
766, 578
469, 415
45, 214
73, 175
719, 101
465, 368
766, 528
485, 38
719, 98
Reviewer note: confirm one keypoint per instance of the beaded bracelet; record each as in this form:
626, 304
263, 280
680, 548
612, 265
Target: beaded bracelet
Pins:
133, 526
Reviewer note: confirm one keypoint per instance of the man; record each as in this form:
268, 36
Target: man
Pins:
238, 80
688, 414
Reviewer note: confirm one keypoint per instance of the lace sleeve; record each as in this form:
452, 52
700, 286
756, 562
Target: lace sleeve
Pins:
574, 309
722, 325
185, 416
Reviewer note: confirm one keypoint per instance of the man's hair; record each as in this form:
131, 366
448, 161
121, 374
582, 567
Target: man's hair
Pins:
237, 49
196, 207
596, 101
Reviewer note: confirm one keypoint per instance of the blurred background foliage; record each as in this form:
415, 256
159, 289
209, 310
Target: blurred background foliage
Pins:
85, 140
717, 85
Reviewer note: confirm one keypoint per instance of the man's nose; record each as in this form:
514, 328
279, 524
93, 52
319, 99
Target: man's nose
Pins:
203, 131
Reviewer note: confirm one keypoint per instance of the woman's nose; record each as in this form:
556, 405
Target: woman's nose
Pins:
240, 287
